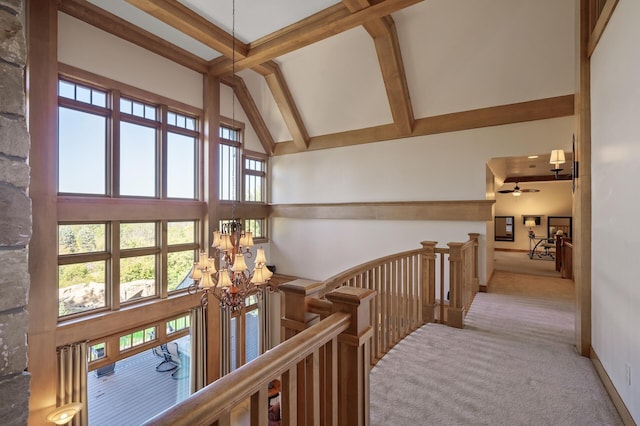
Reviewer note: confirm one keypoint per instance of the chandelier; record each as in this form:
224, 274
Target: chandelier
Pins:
234, 282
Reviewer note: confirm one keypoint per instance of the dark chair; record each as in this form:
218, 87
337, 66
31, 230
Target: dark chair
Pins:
167, 363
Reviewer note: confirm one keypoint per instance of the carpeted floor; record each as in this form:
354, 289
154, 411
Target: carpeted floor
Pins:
513, 364
521, 263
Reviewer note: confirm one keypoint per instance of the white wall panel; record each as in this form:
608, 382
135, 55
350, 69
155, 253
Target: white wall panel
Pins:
462, 55
94, 50
450, 166
615, 97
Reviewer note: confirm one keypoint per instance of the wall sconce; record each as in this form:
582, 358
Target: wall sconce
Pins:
556, 158
64, 414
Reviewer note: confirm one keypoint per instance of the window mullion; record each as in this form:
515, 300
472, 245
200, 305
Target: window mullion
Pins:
114, 275
162, 161
113, 160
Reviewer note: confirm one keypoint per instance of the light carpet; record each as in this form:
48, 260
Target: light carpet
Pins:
513, 364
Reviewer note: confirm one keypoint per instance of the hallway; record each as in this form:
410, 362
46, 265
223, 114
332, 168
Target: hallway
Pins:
513, 364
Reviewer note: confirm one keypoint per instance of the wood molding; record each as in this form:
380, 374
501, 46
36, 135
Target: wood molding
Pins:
249, 106
290, 114
107, 83
195, 26
332, 21
622, 409
466, 210
93, 15
539, 109
78, 209
601, 24
226, 210
385, 38
539, 178
111, 322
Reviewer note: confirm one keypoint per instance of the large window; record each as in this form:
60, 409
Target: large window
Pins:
135, 149
121, 151
230, 146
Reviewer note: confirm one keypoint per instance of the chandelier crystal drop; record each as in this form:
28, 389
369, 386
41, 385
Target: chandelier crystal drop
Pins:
234, 282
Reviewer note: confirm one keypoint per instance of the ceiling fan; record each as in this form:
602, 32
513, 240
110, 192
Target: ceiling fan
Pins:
516, 191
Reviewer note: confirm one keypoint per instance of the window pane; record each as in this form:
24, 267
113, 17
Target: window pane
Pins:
234, 343
83, 94
228, 172
252, 335
99, 98
81, 152
66, 89
179, 266
85, 238
171, 118
137, 160
181, 166
137, 277
256, 227
181, 232
126, 106
137, 235
97, 351
81, 287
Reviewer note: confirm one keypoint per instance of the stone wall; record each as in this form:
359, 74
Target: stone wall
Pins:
15, 217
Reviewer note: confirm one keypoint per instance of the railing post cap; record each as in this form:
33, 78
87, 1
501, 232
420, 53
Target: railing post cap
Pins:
474, 235
428, 243
451, 245
350, 295
300, 286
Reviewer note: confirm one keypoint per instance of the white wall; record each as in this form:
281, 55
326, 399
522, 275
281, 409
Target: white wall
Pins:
615, 109
554, 199
449, 166
91, 49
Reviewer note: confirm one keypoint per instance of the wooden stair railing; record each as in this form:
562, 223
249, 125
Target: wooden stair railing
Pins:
405, 286
334, 347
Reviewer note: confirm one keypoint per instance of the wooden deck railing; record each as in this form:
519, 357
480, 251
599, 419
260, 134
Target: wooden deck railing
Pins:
334, 331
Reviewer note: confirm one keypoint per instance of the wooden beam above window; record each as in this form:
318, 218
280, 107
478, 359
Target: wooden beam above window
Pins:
99, 18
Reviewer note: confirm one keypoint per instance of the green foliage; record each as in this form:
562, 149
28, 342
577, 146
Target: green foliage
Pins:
81, 273
137, 268
178, 267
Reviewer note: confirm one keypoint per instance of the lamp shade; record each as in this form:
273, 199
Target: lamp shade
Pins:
530, 222
216, 239
206, 281
260, 257
64, 414
557, 157
225, 242
258, 275
223, 279
517, 193
239, 265
196, 272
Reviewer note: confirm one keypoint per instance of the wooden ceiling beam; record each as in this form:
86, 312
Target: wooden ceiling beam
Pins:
537, 178
385, 37
308, 31
190, 23
290, 114
540, 109
112, 24
249, 106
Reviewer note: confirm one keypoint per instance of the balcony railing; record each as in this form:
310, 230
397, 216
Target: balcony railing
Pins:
334, 331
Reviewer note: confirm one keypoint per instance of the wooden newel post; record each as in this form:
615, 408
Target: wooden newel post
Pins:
455, 311
428, 281
476, 276
354, 347
296, 318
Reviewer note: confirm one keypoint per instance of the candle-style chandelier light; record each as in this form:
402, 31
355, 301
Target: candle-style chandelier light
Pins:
234, 282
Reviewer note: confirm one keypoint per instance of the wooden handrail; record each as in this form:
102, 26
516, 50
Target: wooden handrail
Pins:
216, 400
339, 279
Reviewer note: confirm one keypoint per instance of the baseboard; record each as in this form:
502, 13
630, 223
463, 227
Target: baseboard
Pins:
511, 250
611, 390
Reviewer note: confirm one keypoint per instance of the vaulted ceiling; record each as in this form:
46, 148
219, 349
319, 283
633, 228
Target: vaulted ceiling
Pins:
358, 71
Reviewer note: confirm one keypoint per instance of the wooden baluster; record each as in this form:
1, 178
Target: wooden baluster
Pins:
288, 398
455, 312
428, 281
259, 407
353, 354
474, 236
